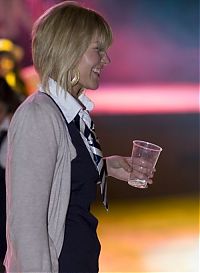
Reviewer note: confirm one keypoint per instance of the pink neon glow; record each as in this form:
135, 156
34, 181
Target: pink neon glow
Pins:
135, 99
146, 99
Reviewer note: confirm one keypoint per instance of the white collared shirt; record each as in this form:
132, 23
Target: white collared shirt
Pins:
70, 106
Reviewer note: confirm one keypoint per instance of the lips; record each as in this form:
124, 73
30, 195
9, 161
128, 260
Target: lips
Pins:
97, 71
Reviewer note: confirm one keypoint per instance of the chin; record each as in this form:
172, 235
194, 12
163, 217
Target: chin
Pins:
91, 86
94, 86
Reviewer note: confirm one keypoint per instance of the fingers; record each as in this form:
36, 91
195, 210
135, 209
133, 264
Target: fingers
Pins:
143, 170
140, 175
141, 162
148, 172
124, 168
138, 168
128, 160
126, 163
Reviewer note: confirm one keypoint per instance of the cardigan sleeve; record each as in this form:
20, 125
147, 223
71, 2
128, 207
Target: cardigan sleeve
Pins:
31, 160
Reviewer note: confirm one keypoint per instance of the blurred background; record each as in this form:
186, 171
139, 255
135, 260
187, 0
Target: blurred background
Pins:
150, 91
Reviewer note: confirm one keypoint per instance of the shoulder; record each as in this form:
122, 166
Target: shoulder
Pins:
38, 107
38, 115
37, 103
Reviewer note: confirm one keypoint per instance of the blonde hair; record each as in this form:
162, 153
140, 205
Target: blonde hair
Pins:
61, 36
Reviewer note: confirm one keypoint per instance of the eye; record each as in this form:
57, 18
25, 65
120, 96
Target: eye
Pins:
100, 49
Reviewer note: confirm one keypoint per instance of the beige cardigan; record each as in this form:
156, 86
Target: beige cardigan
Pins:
38, 185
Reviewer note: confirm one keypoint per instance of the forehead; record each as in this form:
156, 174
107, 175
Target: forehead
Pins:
95, 38
99, 39
102, 37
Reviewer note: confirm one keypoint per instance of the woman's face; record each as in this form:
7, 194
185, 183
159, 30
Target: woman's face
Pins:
91, 65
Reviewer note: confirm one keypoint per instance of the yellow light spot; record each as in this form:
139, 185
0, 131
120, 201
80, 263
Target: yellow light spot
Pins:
11, 79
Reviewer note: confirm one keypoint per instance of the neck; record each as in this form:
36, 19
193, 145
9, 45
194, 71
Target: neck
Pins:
76, 92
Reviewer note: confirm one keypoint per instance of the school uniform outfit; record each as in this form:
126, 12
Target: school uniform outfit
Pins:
48, 205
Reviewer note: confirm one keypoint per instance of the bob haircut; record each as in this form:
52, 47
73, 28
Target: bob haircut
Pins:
61, 36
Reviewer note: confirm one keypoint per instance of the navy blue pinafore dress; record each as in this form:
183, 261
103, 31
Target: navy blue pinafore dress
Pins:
81, 247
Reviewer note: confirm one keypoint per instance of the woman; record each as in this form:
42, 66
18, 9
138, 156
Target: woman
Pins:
54, 157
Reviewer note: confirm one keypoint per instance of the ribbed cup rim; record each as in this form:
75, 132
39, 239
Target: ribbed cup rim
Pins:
147, 145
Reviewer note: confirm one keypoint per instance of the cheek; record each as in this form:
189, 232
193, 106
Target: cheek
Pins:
84, 69
88, 61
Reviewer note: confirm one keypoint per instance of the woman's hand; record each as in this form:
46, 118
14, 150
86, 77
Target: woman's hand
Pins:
121, 167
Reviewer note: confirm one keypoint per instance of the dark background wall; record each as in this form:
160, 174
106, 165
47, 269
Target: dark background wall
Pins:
178, 166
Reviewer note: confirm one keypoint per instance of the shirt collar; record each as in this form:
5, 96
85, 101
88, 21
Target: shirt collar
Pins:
69, 105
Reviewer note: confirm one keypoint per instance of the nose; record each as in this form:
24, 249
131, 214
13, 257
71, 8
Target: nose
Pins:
105, 59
